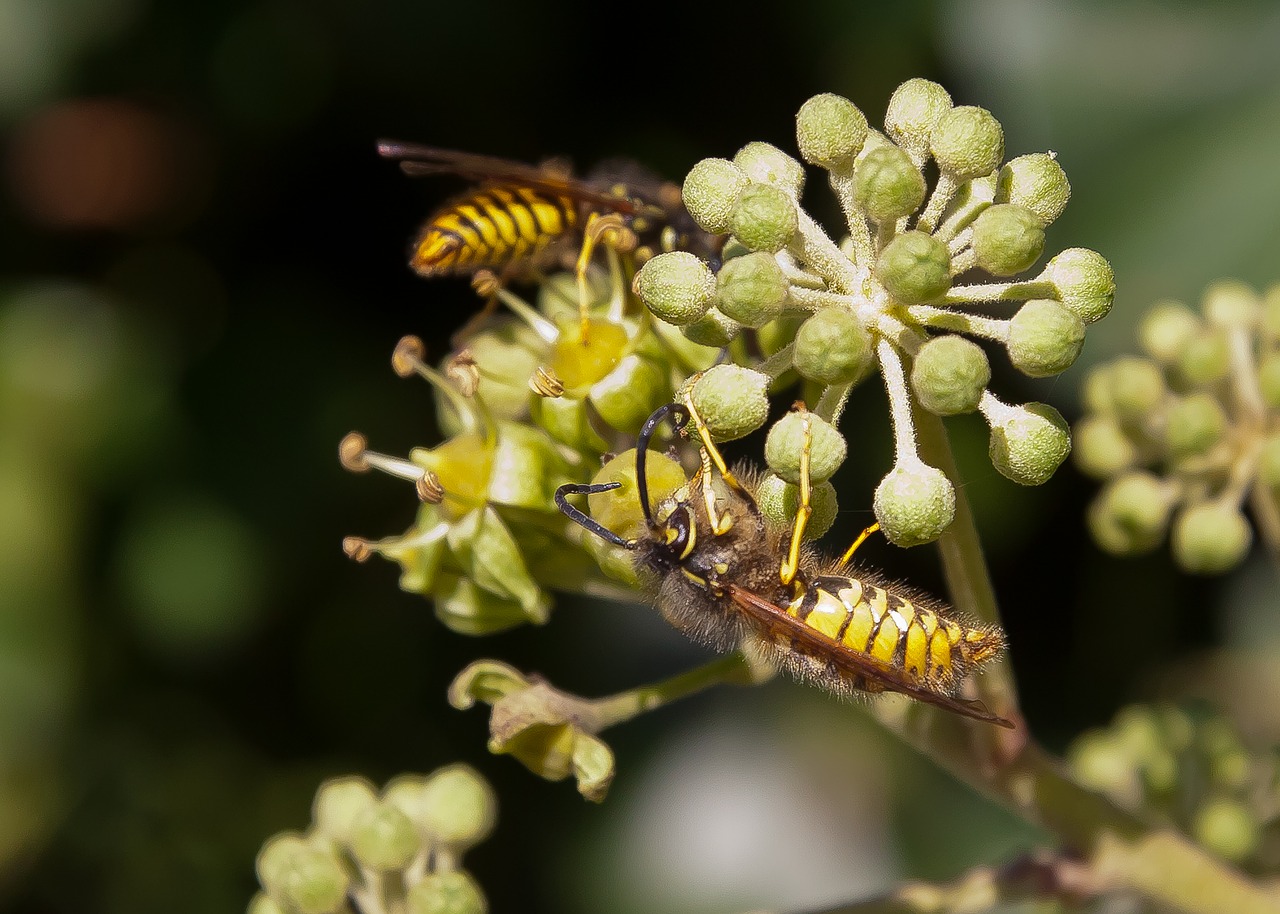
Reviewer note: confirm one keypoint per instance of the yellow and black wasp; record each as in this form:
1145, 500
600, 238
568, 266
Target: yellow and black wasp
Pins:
727, 577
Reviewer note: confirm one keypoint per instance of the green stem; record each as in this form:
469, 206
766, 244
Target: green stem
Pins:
617, 709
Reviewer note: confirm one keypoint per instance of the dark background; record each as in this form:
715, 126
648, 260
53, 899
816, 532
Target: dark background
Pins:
205, 276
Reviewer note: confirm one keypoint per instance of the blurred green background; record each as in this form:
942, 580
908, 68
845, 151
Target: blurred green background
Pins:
204, 276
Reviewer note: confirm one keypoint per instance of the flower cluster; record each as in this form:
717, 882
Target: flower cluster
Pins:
1189, 432
889, 297
398, 850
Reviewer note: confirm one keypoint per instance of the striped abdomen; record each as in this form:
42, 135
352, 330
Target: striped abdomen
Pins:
923, 647
490, 227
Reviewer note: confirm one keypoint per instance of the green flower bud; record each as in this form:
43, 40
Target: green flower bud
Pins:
1137, 388
1037, 182
1095, 392
711, 191
275, 860
446, 893
764, 218
779, 501
832, 347
715, 328
315, 883
1131, 513
1044, 338
1085, 282
338, 803
1228, 828
491, 558
458, 807
1102, 449
1007, 239
915, 268
751, 289
1205, 359
677, 287
830, 131
616, 562
1100, 762
619, 510
1271, 313
785, 444
914, 503
949, 375
1195, 424
1166, 329
887, 185
1231, 769
733, 401
766, 164
1230, 303
468, 609
967, 142
627, 395
1029, 443
262, 903
914, 110
1269, 379
1210, 538
1269, 461
383, 838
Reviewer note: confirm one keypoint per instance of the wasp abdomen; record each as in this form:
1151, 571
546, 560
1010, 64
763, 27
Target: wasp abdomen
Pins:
490, 227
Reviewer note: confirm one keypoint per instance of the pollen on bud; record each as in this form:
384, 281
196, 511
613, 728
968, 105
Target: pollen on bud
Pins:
779, 501
1130, 514
1231, 303
409, 354
967, 142
1007, 239
767, 164
715, 329
915, 268
1101, 448
351, 452
1166, 329
949, 375
914, 110
887, 185
733, 401
830, 131
764, 218
677, 287
784, 447
383, 838
751, 289
1037, 182
1044, 338
914, 503
1211, 537
832, 347
711, 191
458, 808
1029, 443
1194, 424
1085, 282
446, 893
339, 803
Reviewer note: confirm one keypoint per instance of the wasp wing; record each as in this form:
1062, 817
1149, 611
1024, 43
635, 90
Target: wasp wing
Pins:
774, 621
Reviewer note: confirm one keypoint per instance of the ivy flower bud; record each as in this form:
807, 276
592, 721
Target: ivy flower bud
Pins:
832, 347
1231, 303
767, 164
383, 838
764, 218
915, 268
339, 803
1194, 424
1211, 537
1037, 182
1029, 443
733, 401
949, 375
779, 501
619, 510
1101, 448
830, 131
1166, 329
458, 807
1007, 239
1085, 282
967, 142
677, 287
1269, 379
785, 444
1131, 513
1137, 388
711, 191
1269, 461
914, 110
275, 860
887, 185
262, 903
914, 503
751, 289
1100, 762
1205, 359
301, 876
446, 893
1228, 828
1044, 338
715, 329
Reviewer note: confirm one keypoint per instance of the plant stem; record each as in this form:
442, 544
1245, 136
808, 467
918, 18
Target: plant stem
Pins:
616, 709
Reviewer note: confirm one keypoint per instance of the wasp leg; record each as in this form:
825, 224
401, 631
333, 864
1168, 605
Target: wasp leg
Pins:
862, 538
791, 562
607, 230
711, 456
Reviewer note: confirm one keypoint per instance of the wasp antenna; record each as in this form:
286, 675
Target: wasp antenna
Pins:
581, 519
679, 418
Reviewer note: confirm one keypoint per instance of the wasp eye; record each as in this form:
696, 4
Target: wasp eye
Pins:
680, 532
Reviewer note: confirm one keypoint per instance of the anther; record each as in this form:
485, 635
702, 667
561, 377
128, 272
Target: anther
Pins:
429, 488
351, 452
462, 370
546, 383
409, 356
357, 548
485, 283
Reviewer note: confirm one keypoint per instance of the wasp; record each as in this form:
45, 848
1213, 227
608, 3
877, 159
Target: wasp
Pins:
519, 218
727, 577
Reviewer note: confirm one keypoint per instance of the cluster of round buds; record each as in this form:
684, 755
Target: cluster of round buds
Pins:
889, 297
1190, 769
1189, 431
399, 849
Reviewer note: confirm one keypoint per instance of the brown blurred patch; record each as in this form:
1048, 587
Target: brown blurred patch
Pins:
106, 164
